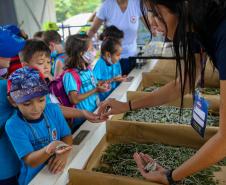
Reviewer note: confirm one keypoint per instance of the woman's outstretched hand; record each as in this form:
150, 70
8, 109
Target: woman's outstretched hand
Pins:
112, 106
158, 175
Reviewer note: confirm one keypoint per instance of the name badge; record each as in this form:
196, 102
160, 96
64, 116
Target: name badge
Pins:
199, 114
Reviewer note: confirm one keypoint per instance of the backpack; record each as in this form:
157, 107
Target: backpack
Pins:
57, 88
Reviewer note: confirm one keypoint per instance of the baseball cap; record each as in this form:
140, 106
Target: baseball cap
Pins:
12, 28
26, 83
10, 44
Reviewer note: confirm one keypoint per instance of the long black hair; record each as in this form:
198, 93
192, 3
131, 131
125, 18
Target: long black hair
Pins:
201, 17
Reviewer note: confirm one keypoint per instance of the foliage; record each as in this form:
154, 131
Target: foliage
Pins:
118, 160
68, 8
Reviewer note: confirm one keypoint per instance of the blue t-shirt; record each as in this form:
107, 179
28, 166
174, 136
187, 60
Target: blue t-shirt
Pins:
219, 49
9, 162
88, 83
29, 137
103, 71
59, 58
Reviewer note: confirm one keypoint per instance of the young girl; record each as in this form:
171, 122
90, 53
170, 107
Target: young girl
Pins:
79, 56
37, 130
107, 67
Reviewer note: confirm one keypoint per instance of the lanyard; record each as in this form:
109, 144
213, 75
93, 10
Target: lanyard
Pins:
35, 134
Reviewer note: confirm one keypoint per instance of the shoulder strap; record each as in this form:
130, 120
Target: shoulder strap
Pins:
76, 77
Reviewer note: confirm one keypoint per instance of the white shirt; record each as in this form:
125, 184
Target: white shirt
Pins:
127, 21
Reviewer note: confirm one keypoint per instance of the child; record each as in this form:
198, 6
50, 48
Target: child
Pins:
112, 32
37, 54
37, 129
107, 67
79, 56
53, 40
10, 45
38, 35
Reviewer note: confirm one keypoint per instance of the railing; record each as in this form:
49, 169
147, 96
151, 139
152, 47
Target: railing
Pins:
63, 29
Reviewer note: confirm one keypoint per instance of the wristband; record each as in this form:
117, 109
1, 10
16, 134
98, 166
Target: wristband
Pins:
170, 178
130, 106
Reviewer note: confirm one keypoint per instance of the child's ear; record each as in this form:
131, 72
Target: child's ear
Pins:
52, 46
108, 54
11, 101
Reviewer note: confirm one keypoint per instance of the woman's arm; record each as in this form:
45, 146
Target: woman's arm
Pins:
96, 25
163, 95
213, 151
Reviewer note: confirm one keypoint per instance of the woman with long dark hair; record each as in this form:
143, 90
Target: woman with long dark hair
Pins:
187, 23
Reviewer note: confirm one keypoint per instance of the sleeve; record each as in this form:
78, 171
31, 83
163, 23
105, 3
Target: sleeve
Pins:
63, 126
221, 61
220, 52
18, 137
101, 13
69, 83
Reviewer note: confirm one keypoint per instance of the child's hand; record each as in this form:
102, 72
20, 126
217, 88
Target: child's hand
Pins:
58, 162
57, 147
120, 78
103, 87
93, 118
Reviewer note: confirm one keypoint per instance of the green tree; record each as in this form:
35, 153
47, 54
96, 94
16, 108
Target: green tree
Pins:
68, 8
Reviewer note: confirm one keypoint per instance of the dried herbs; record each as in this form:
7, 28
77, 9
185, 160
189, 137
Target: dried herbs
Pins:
207, 91
165, 114
118, 160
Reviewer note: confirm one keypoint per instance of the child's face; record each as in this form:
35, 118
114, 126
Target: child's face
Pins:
4, 62
41, 62
116, 56
32, 109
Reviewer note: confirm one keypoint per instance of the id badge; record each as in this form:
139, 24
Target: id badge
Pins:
199, 113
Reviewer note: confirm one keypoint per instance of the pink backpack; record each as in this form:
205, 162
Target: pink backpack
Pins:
57, 87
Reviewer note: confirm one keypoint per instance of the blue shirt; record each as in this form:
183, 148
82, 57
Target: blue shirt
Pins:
59, 58
104, 71
88, 83
9, 162
219, 49
28, 137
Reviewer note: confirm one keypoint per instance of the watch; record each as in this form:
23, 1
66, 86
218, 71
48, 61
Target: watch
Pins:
170, 178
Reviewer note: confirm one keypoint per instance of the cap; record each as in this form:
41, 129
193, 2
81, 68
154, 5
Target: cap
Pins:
25, 84
10, 44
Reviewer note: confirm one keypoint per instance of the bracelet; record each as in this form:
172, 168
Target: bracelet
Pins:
130, 106
170, 178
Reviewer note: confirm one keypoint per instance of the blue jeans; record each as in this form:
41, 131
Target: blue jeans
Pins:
127, 65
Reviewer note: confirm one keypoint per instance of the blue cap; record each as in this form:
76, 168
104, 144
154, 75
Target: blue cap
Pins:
10, 44
27, 83
12, 28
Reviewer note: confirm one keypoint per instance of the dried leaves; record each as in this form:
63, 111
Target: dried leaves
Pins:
118, 160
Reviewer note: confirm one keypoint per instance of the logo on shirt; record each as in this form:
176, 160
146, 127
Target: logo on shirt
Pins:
133, 19
54, 134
